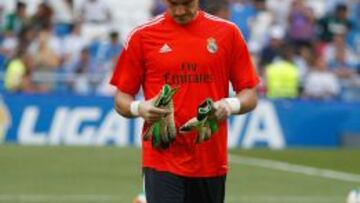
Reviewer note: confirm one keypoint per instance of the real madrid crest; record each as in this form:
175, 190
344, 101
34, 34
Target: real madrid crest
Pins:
212, 46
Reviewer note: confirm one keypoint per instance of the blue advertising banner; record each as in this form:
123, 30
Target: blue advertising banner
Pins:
91, 120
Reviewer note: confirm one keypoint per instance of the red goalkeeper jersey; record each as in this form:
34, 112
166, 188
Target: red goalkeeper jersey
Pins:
201, 58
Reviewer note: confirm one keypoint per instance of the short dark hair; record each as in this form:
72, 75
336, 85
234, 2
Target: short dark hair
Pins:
114, 34
341, 7
20, 5
287, 51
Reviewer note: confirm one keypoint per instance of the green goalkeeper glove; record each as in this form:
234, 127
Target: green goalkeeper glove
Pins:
204, 123
163, 132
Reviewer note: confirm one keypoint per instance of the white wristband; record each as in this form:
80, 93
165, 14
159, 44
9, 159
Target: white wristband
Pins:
134, 108
235, 105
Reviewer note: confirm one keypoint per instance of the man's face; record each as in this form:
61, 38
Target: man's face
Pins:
182, 11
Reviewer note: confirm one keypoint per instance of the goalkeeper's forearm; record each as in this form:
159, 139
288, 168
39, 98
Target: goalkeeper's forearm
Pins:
123, 103
127, 106
247, 99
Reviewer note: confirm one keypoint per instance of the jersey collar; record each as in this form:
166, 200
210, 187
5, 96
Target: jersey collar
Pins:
197, 18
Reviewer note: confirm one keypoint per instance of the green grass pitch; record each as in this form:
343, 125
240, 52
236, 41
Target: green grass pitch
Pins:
111, 174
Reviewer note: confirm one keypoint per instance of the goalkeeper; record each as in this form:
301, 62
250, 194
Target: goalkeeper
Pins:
186, 58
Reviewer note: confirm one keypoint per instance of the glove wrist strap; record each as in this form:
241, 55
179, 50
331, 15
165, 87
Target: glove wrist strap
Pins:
235, 105
134, 108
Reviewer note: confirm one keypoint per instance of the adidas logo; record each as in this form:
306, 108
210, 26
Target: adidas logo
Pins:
165, 49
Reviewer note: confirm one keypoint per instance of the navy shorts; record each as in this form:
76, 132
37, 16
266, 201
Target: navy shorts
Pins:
164, 187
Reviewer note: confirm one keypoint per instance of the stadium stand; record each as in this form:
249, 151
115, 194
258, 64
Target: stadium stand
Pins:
329, 29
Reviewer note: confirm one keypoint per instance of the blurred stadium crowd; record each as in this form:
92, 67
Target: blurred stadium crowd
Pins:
302, 48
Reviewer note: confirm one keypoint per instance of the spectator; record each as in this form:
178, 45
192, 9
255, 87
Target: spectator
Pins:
26, 37
321, 83
157, 7
47, 54
73, 44
94, 49
355, 14
109, 52
330, 5
341, 66
340, 57
1, 20
42, 17
81, 83
14, 22
338, 23
260, 26
218, 8
354, 36
241, 13
95, 27
18, 75
303, 61
8, 45
301, 24
64, 16
95, 12
282, 76
273, 48
108, 56
280, 10
46, 50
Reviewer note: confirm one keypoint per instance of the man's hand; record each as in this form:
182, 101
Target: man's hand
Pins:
159, 112
150, 113
205, 121
222, 110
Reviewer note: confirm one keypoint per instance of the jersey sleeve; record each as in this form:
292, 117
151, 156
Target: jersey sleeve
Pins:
129, 69
242, 71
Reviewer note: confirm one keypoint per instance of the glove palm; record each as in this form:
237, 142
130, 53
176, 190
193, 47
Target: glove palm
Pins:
204, 123
163, 132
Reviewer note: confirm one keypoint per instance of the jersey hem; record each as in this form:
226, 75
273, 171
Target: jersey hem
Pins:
190, 175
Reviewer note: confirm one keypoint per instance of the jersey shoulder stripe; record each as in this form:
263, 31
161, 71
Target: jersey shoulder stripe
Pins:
152, 22
217, 19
